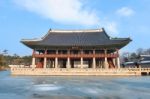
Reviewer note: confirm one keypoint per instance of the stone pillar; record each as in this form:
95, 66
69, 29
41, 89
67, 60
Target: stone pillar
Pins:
81, 59
118, 60
45, 62
81, 62
33, 62
94, 60
68, 62
105, 60
114, 62
33, 59
101, 64
53, 64
56, 60
45, 59
68, 59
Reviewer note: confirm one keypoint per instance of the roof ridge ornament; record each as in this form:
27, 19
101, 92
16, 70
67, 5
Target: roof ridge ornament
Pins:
50, 29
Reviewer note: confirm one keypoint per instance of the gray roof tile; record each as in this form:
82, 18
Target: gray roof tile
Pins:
77, 38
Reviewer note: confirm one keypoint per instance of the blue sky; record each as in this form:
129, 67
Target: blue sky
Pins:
33, 18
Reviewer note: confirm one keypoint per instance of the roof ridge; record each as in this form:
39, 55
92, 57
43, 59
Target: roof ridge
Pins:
76, 31
72, 31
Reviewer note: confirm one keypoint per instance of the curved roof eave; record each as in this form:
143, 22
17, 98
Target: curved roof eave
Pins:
102, 40
115, 45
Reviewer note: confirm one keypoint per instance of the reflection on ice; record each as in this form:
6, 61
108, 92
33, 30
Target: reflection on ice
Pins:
46, 87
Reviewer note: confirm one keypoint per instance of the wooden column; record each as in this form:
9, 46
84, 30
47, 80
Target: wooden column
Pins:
33, 59
45, 59
94, 60
105, 60
56, 60
68, 59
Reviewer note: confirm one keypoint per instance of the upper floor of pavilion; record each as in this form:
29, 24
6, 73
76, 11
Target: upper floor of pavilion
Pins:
93, 38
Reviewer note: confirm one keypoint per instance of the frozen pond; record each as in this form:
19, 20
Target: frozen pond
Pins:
73, 87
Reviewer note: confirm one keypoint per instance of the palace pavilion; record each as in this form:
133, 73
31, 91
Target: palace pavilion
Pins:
76, 49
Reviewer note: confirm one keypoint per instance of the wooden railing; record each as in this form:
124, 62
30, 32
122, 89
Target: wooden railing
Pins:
76, 55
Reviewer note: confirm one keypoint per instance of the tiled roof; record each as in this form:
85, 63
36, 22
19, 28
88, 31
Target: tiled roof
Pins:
76, 38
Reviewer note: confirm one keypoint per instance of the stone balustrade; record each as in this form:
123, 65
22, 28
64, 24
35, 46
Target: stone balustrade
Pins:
77, 71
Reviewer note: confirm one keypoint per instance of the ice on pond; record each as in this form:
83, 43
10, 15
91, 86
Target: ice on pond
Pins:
73, 87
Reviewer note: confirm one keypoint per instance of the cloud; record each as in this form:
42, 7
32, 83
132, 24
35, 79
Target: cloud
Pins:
61, 11
125, 11
68, 12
